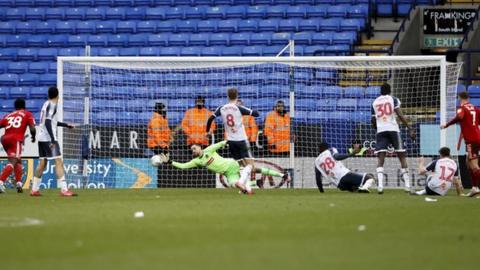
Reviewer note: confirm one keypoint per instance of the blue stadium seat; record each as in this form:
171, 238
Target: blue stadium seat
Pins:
352, 24
216, 12
288, 25
325, 38
280, 38
28, 79
97, 40
77, 40
106, 27
146, 26
167, 26
353, 92
296, 11
46, 27
36, 13
268, 25
344, 38
129, 52
77, 13
34, 105
29, 54
232, 51
240, 39
219, 39
249, 92
86, 27
372, 92
384, 7
95, 13
199, 39
170, 51
68, 52
119, 40
36, 41
196, 12
15, 14
337, 50
174, 118
302, 38
158, 39
337, 11
9, 53
260, 38
179, 39
207, 26
47, 54
136, 105
174, 12
105, 118
212, 51
272, 50
359, 11
108, 52
7, 105
263, 104
155, 13
330, 24
125, 27
475, 101
317, 11
25, 28
248, 25
403, 6
38, 67
474, 91
55, 13
127, 118
136, 13
4, 92
180, 105
187, 26
256, 11
16, 41
47, 79
364, 104
149, 51
309, 24
230, 25
19, 92
8, 27
236, 12
305, 104
3, 40
313, 91
38, 92
332, 92
276, 11
195, 79
17, 67
279, 78
303, 76
3, 66
65, 27
138, 40
52, 67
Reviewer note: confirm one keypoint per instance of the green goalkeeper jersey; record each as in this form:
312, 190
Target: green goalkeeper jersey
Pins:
210, 159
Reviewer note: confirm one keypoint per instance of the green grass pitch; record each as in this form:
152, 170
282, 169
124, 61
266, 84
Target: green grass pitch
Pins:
220, 229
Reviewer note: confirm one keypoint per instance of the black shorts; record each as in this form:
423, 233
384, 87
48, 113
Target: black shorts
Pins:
387, 140
351, 181
45, 151
431, 192
239, 150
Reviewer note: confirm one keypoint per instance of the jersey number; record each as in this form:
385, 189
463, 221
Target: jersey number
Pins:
327, 165
474, 115
384, 109
230, 120
14, 122
443, 176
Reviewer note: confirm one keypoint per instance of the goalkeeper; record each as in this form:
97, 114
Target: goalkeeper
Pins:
210, 159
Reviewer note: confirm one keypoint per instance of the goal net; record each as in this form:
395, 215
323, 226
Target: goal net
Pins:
325, 99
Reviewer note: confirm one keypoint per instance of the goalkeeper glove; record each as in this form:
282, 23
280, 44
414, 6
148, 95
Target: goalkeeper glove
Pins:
165, 158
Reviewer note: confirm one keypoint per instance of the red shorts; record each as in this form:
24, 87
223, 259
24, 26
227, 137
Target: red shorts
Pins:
13, 148
472, 150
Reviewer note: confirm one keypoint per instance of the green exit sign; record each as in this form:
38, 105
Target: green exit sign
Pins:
442, 42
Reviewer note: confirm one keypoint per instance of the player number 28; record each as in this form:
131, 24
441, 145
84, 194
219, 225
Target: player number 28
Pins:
384, 109
327, 165
15, 122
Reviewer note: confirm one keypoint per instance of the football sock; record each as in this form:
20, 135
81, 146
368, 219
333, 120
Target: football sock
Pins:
245, 176
18, 172
266, 171
6, 172
405, 177
36, 183
380, 178
62, 184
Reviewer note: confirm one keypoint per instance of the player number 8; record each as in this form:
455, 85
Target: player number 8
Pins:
230, 121
15, 122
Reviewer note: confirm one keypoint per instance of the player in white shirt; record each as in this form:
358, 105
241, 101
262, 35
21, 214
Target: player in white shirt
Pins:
444, 174
48, 147
237, 140
328, 165
385, 108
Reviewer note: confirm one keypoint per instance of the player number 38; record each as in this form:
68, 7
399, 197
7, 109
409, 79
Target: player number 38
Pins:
15, 122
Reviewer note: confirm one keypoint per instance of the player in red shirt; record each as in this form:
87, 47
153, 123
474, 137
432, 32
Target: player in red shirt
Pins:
468, 117
15, 124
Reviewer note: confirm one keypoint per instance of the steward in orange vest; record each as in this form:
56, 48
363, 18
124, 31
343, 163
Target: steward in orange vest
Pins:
277, 129
158, 133
194, 123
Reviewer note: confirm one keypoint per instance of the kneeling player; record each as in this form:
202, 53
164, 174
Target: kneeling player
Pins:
210, 159
328, 165
445, 172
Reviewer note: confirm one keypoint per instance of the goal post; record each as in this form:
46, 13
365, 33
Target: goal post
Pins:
326, 99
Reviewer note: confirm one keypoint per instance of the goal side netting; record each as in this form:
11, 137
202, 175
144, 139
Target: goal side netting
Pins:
326, 99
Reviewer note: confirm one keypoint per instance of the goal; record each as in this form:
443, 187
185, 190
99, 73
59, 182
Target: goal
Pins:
326, 99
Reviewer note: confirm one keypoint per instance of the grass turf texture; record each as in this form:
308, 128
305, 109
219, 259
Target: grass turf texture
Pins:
220, 229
